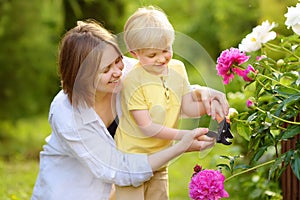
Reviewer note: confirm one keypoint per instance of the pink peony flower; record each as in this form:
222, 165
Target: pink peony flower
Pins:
258, 58
207, 185
228, 63
247, 71
244, 72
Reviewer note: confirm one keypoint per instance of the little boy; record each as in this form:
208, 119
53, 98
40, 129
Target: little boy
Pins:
155, 93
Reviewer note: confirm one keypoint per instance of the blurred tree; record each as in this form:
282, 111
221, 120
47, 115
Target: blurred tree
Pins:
234, 19
107, 12
28, 35
275, 13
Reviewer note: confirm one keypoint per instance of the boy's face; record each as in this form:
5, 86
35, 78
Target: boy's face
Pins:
154, 60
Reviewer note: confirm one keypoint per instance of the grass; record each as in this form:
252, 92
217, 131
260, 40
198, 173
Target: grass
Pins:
18, 176
17, 179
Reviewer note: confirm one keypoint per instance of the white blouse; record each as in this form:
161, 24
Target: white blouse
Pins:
80, 160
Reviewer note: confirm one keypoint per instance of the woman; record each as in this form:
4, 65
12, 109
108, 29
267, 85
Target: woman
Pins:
80, 160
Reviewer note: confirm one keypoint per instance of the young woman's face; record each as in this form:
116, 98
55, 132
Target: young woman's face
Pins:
153, 60
111, 71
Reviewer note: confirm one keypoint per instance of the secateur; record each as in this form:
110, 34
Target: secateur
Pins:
223, 132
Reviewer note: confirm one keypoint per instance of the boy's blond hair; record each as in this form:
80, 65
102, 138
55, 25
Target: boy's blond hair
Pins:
148, 27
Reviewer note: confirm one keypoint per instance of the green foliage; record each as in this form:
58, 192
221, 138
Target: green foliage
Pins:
27, 57
276, 98
107, 12
274, 114
23, 138
230, 34
254, 179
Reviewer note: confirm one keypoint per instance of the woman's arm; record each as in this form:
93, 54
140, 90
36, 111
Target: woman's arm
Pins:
92, 146
149, 128
189, 142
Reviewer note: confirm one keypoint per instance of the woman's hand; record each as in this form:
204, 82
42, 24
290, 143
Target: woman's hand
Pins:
201, 145
214, 101
201, 142
197, 140
188, 142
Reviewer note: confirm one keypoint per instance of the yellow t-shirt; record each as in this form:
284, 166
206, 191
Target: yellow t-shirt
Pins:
145, 91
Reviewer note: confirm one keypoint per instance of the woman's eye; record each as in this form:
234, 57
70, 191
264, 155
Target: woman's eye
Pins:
118, 60
106, 69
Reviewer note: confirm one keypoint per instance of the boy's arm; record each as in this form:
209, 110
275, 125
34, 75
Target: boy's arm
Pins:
207, 95
192, 108
146, 125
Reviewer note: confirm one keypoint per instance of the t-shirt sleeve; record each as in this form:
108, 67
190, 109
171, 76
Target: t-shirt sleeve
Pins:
132, 93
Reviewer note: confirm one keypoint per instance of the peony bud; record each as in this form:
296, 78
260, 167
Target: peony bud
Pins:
280, 62
232, 113
249, 103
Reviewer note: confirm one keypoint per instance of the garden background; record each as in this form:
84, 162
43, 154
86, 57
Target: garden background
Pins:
29, 34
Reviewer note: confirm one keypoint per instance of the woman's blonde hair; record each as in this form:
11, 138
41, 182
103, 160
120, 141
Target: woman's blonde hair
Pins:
80, 54
148, 27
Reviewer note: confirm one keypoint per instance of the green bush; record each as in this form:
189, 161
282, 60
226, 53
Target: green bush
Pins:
23, 138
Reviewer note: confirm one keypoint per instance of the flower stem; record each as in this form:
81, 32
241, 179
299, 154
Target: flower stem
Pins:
277, 48
283, 120
262, 75
250, 169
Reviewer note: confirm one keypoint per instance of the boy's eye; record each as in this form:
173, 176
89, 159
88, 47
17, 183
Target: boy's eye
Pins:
151, 55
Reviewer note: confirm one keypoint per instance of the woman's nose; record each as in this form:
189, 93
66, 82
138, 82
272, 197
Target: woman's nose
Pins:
121, 65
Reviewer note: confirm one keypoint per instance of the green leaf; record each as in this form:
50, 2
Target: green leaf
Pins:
285, 91
292, 75
224, 166
260, 152
252, 117
243, 131
226, 157
291, 131
295, 164
291, 100
277, 165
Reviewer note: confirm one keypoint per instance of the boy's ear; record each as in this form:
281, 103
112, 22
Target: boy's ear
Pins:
133, 53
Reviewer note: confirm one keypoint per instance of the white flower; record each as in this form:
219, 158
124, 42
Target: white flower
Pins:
260, 34
293, 18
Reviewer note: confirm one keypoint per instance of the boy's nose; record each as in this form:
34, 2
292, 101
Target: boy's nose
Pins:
161, 59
